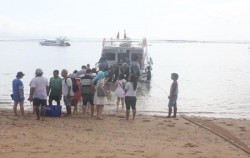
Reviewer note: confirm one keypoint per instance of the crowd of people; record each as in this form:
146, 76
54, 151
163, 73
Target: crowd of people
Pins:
86, 86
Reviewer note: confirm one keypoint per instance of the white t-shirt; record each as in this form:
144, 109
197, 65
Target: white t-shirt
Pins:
65, 87
81, 73
130, 89
40, 84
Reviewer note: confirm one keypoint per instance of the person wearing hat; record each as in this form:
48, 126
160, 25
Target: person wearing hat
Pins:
18, 93
39, 89
100, 101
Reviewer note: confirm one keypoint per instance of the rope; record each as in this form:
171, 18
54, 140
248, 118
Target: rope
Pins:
242, 147
245, 148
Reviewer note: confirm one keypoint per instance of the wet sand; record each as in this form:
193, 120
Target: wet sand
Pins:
114, 137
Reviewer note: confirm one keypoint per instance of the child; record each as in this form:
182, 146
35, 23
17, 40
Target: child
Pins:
173, 95
148, 73
18, 94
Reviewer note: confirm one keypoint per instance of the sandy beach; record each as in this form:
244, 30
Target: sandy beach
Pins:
114, 137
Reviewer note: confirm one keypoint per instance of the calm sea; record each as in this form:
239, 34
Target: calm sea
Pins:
213, 78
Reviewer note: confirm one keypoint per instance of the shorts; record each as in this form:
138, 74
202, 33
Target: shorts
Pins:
67, 100
87, 98
38, 102
56, 98
172, 101
130, 101
18, 101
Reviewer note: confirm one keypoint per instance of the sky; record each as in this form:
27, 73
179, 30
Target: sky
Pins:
154, 19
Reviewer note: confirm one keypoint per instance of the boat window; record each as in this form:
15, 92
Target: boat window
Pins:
136, 56
110, 56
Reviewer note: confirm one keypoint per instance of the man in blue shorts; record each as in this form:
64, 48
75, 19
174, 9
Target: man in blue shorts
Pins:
18, 94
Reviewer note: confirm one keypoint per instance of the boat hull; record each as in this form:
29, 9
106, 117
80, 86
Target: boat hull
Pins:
54, 44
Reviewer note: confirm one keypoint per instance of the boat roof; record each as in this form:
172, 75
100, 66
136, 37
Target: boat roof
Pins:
124, 43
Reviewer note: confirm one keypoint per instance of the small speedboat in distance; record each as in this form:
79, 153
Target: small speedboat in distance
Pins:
61, 41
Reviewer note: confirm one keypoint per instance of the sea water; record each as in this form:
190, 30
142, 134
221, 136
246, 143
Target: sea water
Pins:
213, 77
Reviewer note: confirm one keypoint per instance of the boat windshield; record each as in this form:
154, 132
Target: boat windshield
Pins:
109, 54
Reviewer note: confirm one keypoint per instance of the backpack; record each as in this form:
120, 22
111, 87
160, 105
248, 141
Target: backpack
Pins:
75, 87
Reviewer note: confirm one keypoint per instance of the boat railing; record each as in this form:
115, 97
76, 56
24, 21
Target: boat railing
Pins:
124, 43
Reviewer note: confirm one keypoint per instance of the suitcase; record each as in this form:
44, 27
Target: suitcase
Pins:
53, 110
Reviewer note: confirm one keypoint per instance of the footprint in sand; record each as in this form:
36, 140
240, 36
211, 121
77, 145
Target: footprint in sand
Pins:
243, 129
190, 145
167, 121
180, 154
229, 124
139, 151
171, 125
161, 123
121, 116
196, 152
88, 129
131, 153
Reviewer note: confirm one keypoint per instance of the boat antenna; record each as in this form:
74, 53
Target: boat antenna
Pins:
125, 36
118, 35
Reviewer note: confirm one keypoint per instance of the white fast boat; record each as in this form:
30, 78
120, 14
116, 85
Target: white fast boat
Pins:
125, 56
61, 41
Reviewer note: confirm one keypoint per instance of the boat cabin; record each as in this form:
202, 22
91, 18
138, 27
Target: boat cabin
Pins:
131, 55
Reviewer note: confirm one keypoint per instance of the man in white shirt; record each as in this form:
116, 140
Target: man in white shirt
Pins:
39, 89
67, 91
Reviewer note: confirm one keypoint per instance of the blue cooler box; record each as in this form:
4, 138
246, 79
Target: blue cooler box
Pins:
53, 110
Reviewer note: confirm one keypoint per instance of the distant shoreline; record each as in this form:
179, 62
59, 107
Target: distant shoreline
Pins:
149, 40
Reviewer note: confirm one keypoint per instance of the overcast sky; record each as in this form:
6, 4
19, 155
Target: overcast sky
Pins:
155, 19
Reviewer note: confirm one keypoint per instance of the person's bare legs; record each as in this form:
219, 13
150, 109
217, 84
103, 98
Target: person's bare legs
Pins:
15, 108
21, 108
74, 103
175, 111
169, 111
92, 110
88, 105
68, 108
127, 114
122, 100
84, 107
101, 110
76, 107
42, 112
34, 109
37, 112
117, 102
97, 111
134, 112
